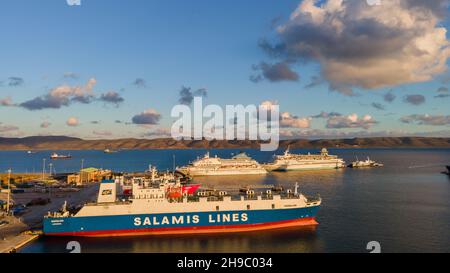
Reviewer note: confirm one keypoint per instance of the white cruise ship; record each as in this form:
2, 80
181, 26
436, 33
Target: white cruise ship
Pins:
240, 164
297, 162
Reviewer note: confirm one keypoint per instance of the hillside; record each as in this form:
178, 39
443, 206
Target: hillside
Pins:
70, 143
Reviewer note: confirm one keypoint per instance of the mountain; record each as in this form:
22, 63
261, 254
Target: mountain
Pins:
71, 143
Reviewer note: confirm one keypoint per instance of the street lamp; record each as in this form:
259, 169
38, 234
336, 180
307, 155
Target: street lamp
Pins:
43, 168
9, 191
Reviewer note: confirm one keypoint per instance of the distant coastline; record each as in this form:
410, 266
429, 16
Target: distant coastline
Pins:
71, 143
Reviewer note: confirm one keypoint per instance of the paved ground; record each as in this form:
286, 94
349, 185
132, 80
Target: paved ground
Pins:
10, 235
34, 217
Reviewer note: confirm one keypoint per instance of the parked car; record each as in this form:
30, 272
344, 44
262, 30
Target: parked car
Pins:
39, 202
19, 209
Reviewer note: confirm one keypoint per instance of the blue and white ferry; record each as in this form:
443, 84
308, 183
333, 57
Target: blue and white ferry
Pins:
164, 209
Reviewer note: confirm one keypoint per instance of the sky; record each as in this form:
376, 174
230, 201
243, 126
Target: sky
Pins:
115, 68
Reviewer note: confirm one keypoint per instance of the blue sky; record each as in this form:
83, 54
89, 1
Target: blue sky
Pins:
200, 44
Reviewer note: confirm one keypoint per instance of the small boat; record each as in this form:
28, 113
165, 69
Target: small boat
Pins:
109, 151
30, 152
57, 156
365, 164
448, 170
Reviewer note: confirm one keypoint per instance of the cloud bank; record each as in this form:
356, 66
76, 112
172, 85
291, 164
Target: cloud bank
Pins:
148, 117
61, 96
365, 46
434, 120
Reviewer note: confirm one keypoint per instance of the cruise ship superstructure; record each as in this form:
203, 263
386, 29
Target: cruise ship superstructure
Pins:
240, 164
296, 162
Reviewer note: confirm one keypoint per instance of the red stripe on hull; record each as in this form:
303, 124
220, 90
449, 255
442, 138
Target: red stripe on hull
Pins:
191, 230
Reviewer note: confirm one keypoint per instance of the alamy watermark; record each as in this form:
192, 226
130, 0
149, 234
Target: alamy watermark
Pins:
237, 122
74, 247
374, 247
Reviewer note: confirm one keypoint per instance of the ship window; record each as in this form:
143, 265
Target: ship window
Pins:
217, 208
248, 206
273, 206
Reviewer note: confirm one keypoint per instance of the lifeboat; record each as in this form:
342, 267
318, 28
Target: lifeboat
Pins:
191, 189
174, 192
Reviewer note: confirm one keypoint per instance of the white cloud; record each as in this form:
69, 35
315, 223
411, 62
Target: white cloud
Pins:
288, 120
350, 121
6, 101
72, 121
62, 96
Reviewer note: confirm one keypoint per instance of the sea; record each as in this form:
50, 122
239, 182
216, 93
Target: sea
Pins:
402, 207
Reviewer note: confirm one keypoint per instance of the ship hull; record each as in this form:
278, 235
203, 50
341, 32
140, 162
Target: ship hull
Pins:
304, 167
224, 172
185, 223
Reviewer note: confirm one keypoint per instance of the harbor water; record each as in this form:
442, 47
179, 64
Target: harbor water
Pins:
405, 205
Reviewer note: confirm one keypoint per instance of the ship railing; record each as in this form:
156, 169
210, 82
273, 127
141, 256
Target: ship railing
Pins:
251, 197
289, 196
313, 199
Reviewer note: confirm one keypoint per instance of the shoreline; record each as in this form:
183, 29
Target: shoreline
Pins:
235, 148
59, 143
18, 242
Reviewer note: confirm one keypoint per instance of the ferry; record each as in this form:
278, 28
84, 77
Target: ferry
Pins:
298, 162
365, 164
155, 210
240, 164
57, 156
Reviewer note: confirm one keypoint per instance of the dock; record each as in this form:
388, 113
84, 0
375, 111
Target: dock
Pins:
13, 244
15, 235
17, 232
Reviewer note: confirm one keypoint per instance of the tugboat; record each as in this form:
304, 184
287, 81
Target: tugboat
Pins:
57, 156
365, 164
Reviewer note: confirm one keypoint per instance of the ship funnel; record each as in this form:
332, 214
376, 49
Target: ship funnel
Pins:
107, 192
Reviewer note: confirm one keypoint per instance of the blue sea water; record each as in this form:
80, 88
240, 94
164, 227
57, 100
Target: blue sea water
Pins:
405, 205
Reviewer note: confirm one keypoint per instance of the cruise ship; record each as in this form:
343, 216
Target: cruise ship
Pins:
156, 209
240, 164
297, 162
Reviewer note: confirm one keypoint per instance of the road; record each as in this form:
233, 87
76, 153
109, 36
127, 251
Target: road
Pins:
11, 235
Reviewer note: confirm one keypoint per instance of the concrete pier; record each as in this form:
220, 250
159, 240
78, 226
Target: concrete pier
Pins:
16, 233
